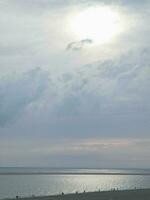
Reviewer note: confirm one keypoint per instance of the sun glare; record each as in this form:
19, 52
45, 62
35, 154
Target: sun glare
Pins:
99, 24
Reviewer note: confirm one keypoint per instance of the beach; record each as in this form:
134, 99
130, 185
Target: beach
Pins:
136, 194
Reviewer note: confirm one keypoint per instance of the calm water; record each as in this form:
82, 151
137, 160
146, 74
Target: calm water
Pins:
40, 184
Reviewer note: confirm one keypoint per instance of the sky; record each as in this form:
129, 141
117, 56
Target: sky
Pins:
74, 87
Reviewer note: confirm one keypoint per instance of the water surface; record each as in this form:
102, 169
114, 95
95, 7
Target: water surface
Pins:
46, 184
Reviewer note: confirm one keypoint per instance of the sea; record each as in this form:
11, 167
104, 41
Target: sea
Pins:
25, 182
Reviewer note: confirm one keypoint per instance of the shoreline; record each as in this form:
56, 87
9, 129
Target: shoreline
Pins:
131, 194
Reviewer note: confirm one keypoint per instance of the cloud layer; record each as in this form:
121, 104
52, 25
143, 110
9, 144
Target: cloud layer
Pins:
18, 92
90, 152
93, 103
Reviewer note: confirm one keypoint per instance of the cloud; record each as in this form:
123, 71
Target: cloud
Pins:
77, 46
100, 92
116, 152
118, 81
18, 92
113, 92
84, 101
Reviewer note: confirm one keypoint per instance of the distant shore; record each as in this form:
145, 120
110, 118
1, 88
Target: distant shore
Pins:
136, 194
72, 173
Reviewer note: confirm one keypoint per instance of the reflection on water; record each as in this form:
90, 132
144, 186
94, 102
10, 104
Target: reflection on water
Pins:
26, 185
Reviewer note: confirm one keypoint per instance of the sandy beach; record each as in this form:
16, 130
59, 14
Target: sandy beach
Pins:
140, 194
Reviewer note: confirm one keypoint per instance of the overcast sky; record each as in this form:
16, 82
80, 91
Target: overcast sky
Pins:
66, 101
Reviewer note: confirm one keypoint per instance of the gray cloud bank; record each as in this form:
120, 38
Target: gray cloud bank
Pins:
16, 93
89, 152
104, 98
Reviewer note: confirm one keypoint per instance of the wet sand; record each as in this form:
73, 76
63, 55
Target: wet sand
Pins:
141, 194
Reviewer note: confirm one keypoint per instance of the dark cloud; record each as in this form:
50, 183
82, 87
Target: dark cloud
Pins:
16, 93
77, 46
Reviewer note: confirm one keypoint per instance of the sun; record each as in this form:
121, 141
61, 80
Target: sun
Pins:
100, 24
